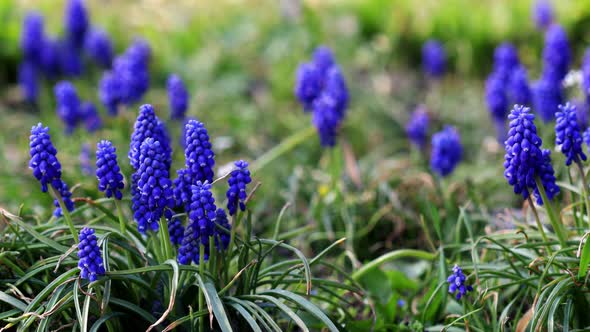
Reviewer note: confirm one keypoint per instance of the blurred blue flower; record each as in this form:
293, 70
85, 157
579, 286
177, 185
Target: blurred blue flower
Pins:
90, 116
496, 97
76, 22
28, 81
222, 238
100, 47
547, 96
556, 54
417, 127
51, 58
505, 60
446, 152
109, 92
68, 105
519, 91
85, 160
434, 58
177, 96
542, 13
308, 84
32, 36
70, 60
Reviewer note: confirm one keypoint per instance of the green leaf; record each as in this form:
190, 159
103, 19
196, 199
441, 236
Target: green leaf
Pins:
214, 304
303, 303
134, 309
377, 284
249, 319
584, 259
96, 326
283, 307
402, 253
173, 287
13, 301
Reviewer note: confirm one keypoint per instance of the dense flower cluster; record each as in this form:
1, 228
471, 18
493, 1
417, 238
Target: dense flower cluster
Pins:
68, 104
321, 88
236, 193
201, 224
434, 59
542, 14
66, 195
31, 37
177, 96
147, 125
182, 188
51, 57
519, 91
110, 179
99, 47
46, 168
176, 230
505, 59
496, 97
154, 192
129, 79
90, 263
447, 151
417, 127
457, 283
199, 158
524, 159
567, 134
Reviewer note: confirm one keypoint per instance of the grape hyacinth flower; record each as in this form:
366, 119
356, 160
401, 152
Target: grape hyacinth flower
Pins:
519, 91
76, 22
85, 161
32, 36
222, 238
505, 60
70, 60
556, 53
524, 159
433, 59
28, 81
586, 137
447, 151
201, 215
109, 92
308, 84
155, 197
457, 283
547, 96
90, 116
108, 173
321, 88
236, 193
46, 168
417, 127
496, 97
66, 195
567, 134
581, 112
147, 125
51, 58
199, 158
90, 263
68, 104
100, 48
542, 14
178, 97
176, 231
182, 188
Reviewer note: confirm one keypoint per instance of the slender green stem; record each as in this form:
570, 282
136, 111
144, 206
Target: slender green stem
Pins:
234, 226
201, 291
539, 224
165, 239
555, 220
584, 189
65, 212
285, 146
402, 253
121, 217
574, 198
